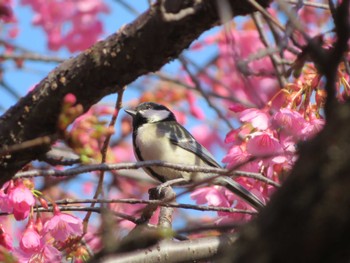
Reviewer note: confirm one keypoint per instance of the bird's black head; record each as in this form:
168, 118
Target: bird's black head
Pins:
150, 112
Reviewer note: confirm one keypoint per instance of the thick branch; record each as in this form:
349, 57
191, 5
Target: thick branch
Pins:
172, 251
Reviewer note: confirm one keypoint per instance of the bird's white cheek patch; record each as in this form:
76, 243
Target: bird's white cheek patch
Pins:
155, 115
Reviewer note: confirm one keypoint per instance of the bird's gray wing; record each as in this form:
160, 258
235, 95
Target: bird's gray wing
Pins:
179, 136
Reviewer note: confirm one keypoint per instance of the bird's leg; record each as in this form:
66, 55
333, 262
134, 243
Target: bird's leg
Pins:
171, 183
159, 190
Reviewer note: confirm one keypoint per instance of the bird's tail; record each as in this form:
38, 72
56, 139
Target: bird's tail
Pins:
239, 190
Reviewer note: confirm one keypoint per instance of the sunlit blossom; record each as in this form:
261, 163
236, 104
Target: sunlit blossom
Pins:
82, 15
5, 239
63, 226
21, 199
30, 241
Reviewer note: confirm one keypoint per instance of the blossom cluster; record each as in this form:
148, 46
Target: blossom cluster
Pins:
88, 131
272, 121
6, 13
8, 17
73, 24
44, 239
16, 198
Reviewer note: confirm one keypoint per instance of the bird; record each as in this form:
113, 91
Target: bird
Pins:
158, 136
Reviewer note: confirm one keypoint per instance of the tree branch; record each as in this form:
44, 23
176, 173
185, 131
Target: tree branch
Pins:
184, 251
156, 163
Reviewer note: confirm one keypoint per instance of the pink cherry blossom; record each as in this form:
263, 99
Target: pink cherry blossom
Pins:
30, 241
21, 199
314, 126
221, 197
36, 248
260, 119
210, 195
122, 152
207, 136
290, 121
71, 23
195, 110
6, 13
5, 204
50, 254
9, 20
236, 157
233, 50
237, 136
288, 143
213, 196
232, 136
46, 253
132, 209
313, 19
63, 226
93, 239
237, 107
5, 239
263, 145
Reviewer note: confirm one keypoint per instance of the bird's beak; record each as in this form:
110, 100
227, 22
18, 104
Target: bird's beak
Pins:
132, 113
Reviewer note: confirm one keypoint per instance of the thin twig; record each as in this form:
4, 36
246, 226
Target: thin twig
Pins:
9, 89
82, 209
266, 14
6, 43
309, 3
41, 141
200, 89
258, 23
128, 7
156, 163
31, 57
104, 149
176, 81
60, 156
332, 8
155, 202
293, 18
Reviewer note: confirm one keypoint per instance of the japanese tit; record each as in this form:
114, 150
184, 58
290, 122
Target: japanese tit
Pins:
158, 136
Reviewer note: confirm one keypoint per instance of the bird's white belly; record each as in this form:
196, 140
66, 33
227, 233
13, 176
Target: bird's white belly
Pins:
156, 146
